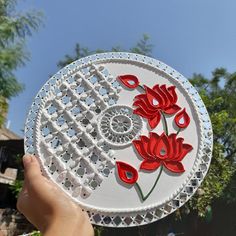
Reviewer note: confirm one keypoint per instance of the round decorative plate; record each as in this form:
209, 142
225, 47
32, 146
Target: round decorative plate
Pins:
125, 136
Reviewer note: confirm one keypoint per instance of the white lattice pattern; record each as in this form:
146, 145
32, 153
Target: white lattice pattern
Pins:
76, 124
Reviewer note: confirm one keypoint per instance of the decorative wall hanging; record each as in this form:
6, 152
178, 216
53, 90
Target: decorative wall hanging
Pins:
124, 135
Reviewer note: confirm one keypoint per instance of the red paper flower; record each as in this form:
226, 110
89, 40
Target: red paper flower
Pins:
182, 119
162, 150
130, 81
159, 98
127, 173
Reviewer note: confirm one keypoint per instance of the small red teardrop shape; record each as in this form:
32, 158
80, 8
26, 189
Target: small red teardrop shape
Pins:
182, 119
130, 81
127, 173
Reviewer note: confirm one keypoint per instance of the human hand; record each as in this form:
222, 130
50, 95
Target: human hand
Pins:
47, 207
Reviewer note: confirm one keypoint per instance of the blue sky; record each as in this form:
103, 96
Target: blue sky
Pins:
189, 35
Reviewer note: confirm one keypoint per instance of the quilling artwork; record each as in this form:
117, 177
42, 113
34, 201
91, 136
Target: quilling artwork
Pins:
124, 135
158, 151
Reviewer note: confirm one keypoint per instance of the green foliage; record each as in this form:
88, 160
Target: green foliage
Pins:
143, 47
14, 28
16, 187
219, 95
35, 233
3, 109
98, 230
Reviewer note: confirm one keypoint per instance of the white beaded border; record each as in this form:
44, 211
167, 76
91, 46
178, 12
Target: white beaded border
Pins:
151, 213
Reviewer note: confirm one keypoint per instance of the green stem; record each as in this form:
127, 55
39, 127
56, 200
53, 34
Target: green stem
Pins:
154, 185
178, 131
139, 190
140, 86
165, 123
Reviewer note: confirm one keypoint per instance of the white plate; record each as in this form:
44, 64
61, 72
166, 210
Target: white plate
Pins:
81, 124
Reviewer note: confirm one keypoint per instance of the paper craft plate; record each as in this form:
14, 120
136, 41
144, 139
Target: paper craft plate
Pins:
125, 136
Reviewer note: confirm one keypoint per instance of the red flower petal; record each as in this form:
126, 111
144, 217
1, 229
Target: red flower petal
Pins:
173, 147
154, 99
146, 107
127, 173
169, 99
140, 149
174, 166
150, 164
157, 89
141, 112
182, 119
154, 121
171, 90
179, 144
144, 140
172, 109
162, 147
130, 81
154, 137
186, 148
140, 96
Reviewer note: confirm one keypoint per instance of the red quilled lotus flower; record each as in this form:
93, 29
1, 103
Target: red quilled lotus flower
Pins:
130, 81
162, 150
127, 173
155, 100
182, 119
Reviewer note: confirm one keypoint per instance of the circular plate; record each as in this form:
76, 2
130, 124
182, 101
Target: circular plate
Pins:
125, 136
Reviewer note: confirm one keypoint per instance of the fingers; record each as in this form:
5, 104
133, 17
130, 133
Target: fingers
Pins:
32, 168
20, 205
35, 183
22, 201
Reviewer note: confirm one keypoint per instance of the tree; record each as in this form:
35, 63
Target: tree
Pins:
143, 47
219, 96
14, 29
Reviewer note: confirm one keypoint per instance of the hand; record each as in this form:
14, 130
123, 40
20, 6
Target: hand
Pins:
47, 207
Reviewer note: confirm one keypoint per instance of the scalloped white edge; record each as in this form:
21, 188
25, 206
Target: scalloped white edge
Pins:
205, 147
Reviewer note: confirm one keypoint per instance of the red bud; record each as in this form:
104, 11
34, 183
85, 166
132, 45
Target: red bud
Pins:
182, 119
130, 81
127, 173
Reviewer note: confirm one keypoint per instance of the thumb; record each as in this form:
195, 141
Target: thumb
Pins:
32, 167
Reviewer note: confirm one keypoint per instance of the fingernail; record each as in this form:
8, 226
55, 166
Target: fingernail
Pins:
27, 159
